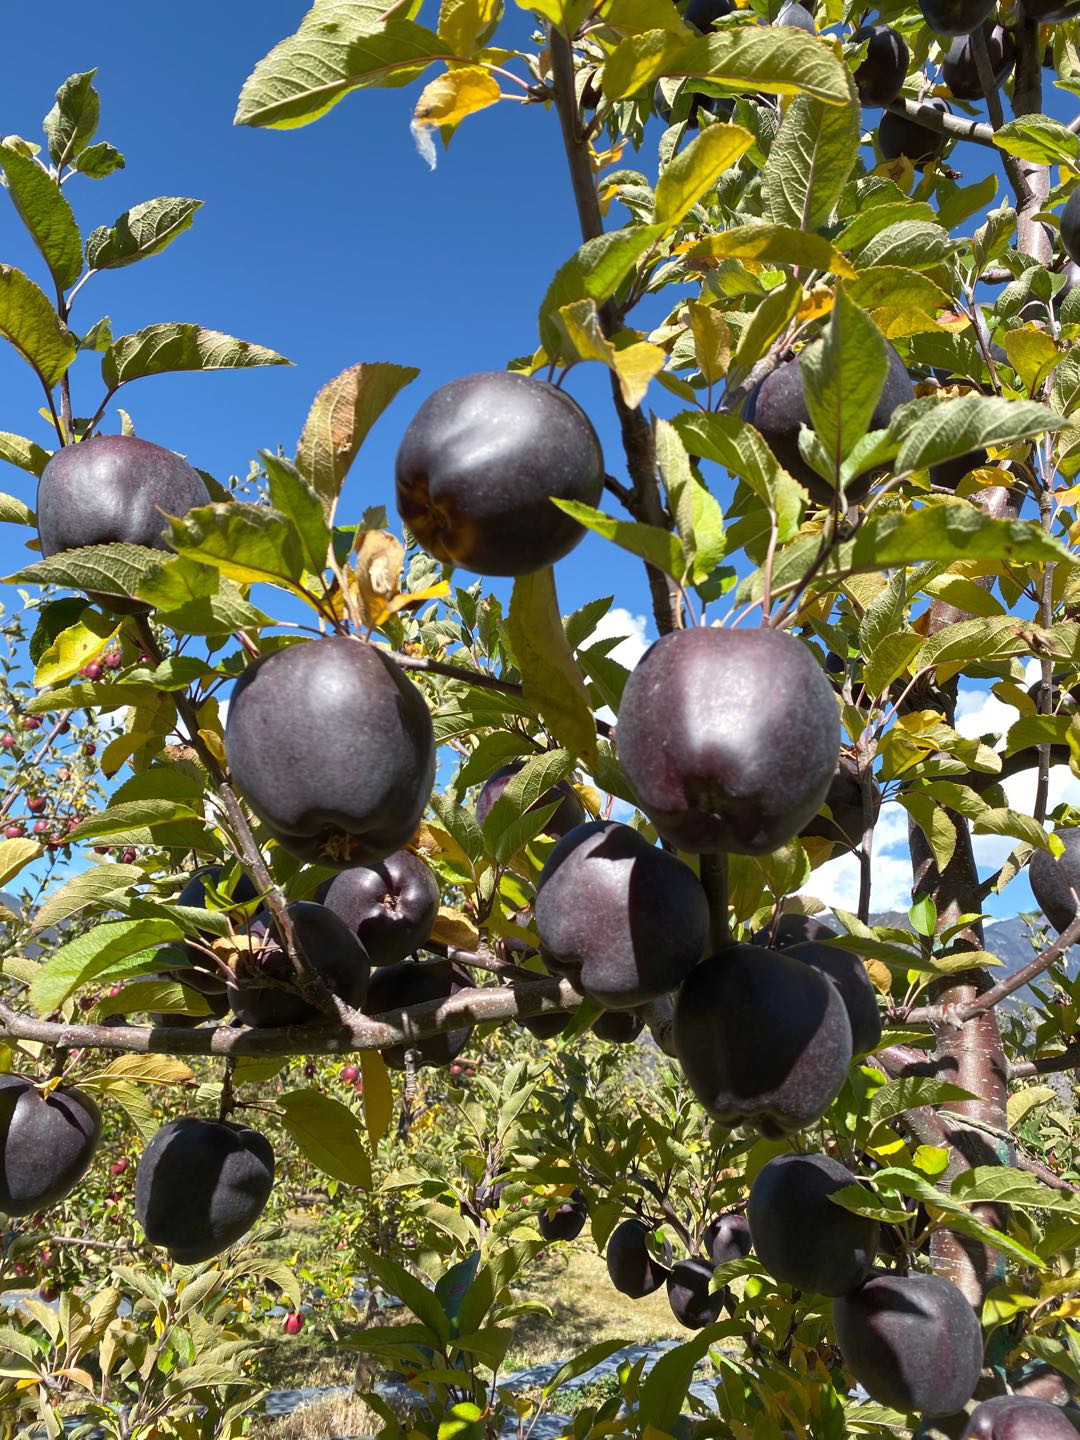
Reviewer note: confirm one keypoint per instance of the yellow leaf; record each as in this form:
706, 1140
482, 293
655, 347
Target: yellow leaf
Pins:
550, 679
694, 171
634, 364
378, 1095
147, 1070
446, 101
407, 599
454, 929
778, 244
215, 744
75, 647
14, 854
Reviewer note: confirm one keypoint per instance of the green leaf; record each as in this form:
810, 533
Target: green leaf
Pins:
342, 414
247, 543
23, 453
109, 569
74, 647
87, 956
414, 1294
99, 161
140, 232
698, 516
649, 542
739, 448
332, 53
132, 814
30, 323
772, 316
88, 887
693, 172
550, 679
594, 273
297, 501
934, 430
14, 512
899, 1096
585, 1360
329, 1135
843, 378
903, 1182
195, 599
937, 532
915, 244
998, 1184
781, 62
170, 347
73, 120
810, 161
1038, 138
663, 1391
43, 208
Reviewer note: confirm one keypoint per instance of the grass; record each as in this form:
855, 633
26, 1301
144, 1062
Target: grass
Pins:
573, 1281
338, 1415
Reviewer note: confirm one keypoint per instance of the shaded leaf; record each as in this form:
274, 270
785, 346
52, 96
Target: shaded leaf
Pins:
161, 349
142, 231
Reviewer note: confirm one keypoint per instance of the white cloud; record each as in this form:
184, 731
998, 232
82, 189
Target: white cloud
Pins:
619, 621
837, 882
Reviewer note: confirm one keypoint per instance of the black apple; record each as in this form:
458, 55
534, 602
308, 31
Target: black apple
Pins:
333, 749
730, 738
478, 468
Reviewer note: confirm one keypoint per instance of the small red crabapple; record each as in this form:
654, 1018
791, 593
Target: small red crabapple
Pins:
7, 741
128, 857
49, 1292
114, 659
350, 1074
293, 1323
31, 722
74, 821
92, 670
455, 1070
37, 804
40, 827
12, 832
63, 773
64, 728
114, 991
309, 1070
119, 1166
89, 748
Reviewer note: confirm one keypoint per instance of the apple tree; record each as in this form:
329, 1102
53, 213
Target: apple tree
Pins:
863, 375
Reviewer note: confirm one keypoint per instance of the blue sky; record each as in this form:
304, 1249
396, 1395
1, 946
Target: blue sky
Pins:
331, 244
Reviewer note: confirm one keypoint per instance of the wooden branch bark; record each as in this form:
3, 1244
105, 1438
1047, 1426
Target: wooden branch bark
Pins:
353, 1032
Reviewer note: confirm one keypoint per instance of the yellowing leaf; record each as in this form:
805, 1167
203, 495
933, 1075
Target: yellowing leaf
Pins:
778, 244
550, 678
378, 1095
75, 647
328, 1134
694, 171
634, 364
14, 855
147, 1070
447, 100
455, 929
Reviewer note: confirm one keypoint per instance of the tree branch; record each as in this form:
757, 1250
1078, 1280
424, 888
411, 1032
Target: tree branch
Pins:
354, 1032
943, 122
637, 437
